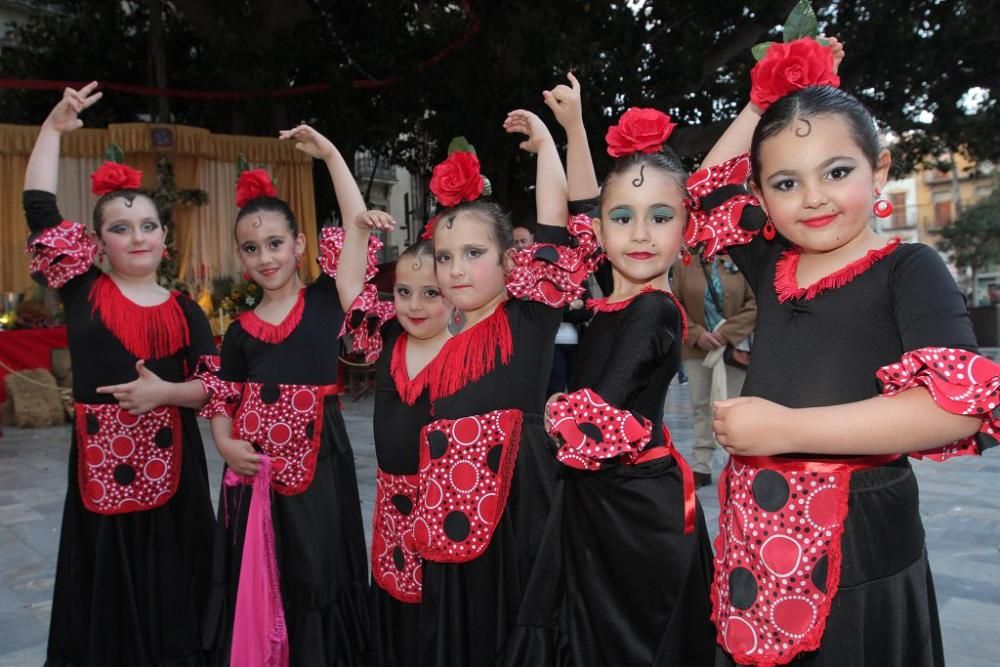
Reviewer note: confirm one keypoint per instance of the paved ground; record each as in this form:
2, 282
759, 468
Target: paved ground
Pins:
960, 503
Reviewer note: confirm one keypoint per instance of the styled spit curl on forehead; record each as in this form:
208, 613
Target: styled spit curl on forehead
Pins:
127, 194
259, 205
665, 161
416, 253
501, 229
808, 103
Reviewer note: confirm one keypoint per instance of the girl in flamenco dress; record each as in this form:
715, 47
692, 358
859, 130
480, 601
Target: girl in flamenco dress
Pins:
290, 575
403, 337
486, 467
625, 566
135, 548
863, 354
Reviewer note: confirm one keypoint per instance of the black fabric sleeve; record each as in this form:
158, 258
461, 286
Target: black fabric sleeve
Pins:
202, 340
753, 258
929, 308
551, 234
41, 210
233, 360
649, 326
591, 207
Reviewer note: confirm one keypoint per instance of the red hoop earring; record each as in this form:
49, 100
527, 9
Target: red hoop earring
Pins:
768, 230
882, 206
686, 257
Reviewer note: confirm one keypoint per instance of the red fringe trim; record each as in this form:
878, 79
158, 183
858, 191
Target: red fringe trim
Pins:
274, 333
147, 332
471, 354
786, 284
409, 390
602, 306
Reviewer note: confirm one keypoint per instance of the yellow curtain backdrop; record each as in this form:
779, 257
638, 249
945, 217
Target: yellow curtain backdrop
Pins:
200, 159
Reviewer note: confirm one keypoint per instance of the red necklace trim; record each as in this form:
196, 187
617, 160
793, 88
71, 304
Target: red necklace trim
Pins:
147, 332
602, 306
470, 355
274, 333
409, 390
786, 283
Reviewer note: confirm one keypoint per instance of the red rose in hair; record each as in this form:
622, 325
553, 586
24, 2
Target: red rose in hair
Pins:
791, 66
637, 130
111, 177
457, 179
254, 183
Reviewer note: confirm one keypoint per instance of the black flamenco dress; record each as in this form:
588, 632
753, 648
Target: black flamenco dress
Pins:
624, 572
402, 409
821, 560
279, 384
134, 560
487, 469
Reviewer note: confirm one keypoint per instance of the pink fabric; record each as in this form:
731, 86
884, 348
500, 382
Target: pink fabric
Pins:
260, 638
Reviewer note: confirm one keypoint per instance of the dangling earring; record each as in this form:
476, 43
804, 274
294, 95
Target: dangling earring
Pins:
685, 256
246, 276
768, 230
100, 256
166, 253
456, 322
882, 206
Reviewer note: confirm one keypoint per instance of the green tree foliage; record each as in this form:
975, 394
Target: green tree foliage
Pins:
973, 240
689, 58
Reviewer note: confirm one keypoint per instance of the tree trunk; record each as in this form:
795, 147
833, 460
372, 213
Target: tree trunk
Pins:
158, 59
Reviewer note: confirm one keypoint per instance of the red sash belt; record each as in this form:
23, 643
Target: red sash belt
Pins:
286, 422
396, 566
466, 468
126, 462
778, 553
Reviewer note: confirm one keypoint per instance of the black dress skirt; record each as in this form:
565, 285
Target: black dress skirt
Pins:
129, 587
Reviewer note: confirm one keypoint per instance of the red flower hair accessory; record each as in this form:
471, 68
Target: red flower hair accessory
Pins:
457, 179
254, 183
639, 129
112, 176
428, 232
791, 66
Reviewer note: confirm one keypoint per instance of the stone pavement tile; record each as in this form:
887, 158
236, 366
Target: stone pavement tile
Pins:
970, 632
19, 629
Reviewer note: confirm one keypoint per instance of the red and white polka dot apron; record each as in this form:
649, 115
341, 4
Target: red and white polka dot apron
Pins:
778, 553
466, 467
396, 565
286, 422
126, 462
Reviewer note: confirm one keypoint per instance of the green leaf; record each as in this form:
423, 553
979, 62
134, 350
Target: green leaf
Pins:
242, 164
460, 145
114, 153
487, 187
760, 50
801, 22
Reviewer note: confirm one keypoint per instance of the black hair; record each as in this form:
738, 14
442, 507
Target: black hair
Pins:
663, 160
809, 103
417, 251
501, 229
265, 204
129, 195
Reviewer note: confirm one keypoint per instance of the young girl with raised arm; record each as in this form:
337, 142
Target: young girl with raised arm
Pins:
135, 549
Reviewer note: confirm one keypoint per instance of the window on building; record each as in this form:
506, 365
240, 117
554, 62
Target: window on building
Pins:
898, 218
943, 214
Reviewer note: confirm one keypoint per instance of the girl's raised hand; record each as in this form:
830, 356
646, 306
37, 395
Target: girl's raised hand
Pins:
64, 116
565, 103
309, 141
529, 124
837, 49
375, 220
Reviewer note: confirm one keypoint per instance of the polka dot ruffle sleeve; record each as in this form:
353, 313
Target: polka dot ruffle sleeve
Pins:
959, 381
721, 211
